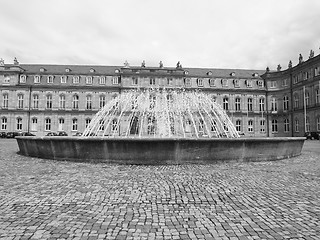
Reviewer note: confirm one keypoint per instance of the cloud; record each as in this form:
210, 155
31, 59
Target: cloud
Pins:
207, 33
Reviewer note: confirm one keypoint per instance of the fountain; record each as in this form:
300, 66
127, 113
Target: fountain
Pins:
159, 126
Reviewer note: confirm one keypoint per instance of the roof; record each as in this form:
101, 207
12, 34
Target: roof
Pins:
110, 70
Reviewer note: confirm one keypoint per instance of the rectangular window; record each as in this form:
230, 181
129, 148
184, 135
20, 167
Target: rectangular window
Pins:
88, 102
62, 102
23, 78
74, 124
49, 102
152, 81
88, 120
249, 83
34, 123
19, 124
187, 82
61, 125
238, 104
169, 81
20, 101
262, 126
4, 123
35, 101
296, 125
250, 105
134, 81
273, 84
6, 79
238, 125
5, 100
224, 82
102, 101
286, 125
47, 124
236, 83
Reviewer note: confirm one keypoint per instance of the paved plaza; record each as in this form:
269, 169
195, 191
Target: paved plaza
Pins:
46, 199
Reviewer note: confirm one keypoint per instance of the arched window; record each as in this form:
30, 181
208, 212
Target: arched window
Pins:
238, 104
225, 103
75, 102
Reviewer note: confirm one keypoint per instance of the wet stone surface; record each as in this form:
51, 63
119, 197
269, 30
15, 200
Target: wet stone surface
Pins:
46, 199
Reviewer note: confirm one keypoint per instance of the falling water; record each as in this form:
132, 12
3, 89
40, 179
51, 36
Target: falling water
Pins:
162, 113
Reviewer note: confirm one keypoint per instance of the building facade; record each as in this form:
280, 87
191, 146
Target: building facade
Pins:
42, 98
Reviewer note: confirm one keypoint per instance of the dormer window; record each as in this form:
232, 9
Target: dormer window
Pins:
260, 83
236, 82
273, 84
42, 69
89, 80
50, 79
209, 73
224, 82
92, 70
232, 74
76, 79
249, 83
255, 74
23, 78
63, 79
200, 82
186, 72
115, 80
102, 80
68, 70
6, 79
212, 82
36, 79
116, 71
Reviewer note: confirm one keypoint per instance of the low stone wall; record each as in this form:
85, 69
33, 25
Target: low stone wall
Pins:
159, 150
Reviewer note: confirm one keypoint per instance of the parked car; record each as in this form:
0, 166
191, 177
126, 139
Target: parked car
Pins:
3, 134
25, 134
241, 134
51, 134
77, 134
62, 133
12, 134
312, 135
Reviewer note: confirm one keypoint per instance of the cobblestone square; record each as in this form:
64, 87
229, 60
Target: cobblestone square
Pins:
46, 199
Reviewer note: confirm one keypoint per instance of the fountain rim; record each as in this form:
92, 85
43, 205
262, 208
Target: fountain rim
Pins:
171, 139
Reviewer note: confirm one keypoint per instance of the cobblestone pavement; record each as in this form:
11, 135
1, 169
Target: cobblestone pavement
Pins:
46, 199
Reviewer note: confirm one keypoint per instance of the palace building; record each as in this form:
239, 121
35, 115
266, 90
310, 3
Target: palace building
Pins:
42, 98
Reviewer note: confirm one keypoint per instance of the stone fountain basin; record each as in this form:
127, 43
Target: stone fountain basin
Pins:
160, 150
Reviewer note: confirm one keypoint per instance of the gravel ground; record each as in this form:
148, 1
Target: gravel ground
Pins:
46, 199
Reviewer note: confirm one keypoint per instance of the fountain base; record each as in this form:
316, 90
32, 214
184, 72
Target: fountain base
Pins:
160, 150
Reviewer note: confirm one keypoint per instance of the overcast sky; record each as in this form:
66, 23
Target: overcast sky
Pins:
250, 34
